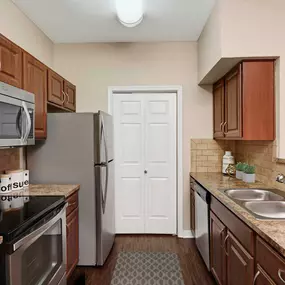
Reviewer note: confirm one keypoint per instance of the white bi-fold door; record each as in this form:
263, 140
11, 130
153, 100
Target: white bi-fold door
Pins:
145, 155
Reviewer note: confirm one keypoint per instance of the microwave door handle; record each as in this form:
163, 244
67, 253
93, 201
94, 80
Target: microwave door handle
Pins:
18, 126
28, 122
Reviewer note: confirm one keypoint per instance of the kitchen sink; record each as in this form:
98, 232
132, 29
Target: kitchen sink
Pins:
253, 195
267, 209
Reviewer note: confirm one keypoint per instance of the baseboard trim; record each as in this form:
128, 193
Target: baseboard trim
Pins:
186, 234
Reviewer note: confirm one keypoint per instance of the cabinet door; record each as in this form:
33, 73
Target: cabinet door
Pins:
217, 251
262, 278
218, 102
70, 100
240, 264
55, 88
72, 242
233, 111
192, 205
35, 81
10, 63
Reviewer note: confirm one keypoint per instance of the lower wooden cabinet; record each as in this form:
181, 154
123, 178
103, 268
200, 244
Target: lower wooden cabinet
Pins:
72, 234
240, 264
218, 254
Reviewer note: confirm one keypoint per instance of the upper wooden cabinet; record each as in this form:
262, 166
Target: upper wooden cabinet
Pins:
55, 88
10, 63
61, 93
70, 93
244, 103
218, 92
35, 81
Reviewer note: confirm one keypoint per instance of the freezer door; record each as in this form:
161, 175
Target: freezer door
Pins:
105, 220
104, 133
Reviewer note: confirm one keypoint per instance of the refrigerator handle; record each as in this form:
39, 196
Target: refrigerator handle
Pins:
103, 132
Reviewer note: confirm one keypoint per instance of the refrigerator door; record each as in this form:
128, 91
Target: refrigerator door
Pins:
104, 138
105, 221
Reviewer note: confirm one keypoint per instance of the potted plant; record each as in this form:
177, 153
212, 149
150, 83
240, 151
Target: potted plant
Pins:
239, 170
249, 174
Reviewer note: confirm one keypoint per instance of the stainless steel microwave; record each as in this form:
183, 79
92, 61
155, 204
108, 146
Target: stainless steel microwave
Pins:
17, 116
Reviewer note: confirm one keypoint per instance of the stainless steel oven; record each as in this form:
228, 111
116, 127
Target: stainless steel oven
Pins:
40, 256
17, 116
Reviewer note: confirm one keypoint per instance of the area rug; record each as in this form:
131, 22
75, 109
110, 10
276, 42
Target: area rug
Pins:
147, 268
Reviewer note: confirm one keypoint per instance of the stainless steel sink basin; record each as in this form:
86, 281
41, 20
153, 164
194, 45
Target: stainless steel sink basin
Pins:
267, 209
253, 195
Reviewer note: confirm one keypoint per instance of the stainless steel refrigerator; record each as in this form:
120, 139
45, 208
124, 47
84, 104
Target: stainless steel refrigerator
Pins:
79, 150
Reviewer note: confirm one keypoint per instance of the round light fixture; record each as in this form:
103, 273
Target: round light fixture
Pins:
130, 12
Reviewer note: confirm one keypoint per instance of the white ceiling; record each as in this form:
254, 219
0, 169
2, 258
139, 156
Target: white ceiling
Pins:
74, 21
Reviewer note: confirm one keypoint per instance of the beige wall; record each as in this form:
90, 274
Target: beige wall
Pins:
95, 67
209, 43
18, 28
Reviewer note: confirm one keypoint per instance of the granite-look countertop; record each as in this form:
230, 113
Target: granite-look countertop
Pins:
53, 190
273, 231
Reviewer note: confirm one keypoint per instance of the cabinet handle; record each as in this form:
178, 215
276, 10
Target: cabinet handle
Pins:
280, 275
64, 97
221, 126
225, 244
255, 277
72, 204
225, 124
67, 97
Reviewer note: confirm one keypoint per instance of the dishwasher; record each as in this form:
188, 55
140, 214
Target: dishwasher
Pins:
202, 219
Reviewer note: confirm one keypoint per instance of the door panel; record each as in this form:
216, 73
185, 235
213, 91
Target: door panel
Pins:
70, 91
218, 93
160, 163
129, 156
217, 252
35, 81
233, 98
145, 135
10, 63
239, 263
55, 88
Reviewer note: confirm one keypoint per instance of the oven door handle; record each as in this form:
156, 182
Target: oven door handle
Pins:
32, 237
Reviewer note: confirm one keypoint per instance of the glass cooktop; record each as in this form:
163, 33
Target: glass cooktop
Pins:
19, 212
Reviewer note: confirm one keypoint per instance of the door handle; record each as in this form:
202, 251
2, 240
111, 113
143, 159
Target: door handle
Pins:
28, 122
280, 271
226, 124
225, 245
64, 97
255, 277
221, 126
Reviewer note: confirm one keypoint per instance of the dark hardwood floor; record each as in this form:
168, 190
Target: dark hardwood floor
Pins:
193, 268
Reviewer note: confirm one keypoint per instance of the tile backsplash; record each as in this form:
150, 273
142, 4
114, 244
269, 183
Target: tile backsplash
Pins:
9, 159
206, 156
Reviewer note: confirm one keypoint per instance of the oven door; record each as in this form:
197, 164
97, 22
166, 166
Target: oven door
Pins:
16, 122
40, 258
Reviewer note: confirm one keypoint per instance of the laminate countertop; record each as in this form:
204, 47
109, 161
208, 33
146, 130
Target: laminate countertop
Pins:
273, 231
53, 190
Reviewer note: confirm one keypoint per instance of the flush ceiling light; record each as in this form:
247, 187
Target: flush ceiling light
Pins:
130, 12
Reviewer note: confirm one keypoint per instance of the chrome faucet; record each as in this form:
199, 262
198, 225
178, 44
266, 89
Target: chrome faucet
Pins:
280, 178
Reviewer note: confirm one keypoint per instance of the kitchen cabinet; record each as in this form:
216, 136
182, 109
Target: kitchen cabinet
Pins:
72, 234
240, 264
70, 93
55, 88
218, 93
35, 81
270, 265
10, 63
231, 247
218, 255
244, 103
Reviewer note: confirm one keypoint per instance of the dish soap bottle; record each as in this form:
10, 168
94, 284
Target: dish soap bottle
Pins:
227, 159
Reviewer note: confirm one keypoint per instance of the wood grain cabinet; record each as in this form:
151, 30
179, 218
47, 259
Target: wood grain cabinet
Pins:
70, 96
218, 254
270, 267
240, 264
35, 81
10, 63
72, 234
244, 102
55, 88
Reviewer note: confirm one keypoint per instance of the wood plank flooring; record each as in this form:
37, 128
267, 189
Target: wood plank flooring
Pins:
193, 268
